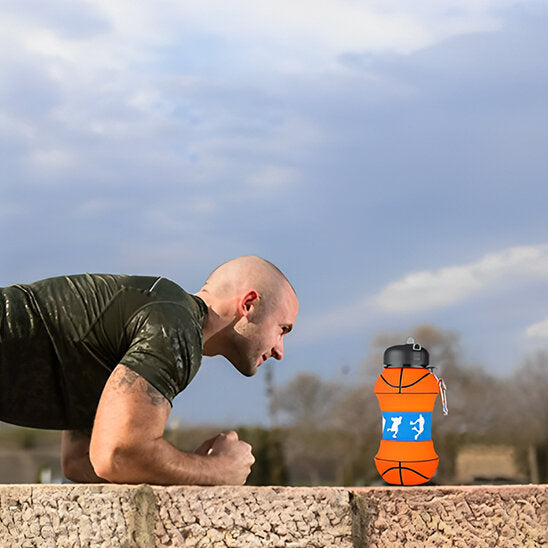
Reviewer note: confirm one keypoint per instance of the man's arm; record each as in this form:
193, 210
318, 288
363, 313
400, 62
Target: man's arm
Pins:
75, 457
127, 444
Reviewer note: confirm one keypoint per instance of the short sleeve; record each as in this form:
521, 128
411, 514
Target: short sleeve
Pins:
164, 347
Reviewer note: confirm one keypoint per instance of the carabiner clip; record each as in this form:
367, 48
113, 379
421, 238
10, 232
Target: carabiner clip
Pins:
443, 395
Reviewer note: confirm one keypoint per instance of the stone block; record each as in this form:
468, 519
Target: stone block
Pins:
253, 516
69, 516
461, 516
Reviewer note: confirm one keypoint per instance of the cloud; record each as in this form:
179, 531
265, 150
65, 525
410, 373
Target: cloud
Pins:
429, 289
272, 177
179, 88
286, 35
315, 31
538, 330
67, 18
53, 159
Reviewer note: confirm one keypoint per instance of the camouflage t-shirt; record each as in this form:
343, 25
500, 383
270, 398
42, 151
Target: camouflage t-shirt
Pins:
60, 339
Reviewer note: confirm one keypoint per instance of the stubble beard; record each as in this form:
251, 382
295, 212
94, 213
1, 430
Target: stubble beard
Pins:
248, 354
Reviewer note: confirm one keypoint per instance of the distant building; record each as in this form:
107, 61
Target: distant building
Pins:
487, 464
37, 465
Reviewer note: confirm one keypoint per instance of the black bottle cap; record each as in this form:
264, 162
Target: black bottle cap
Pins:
411, 354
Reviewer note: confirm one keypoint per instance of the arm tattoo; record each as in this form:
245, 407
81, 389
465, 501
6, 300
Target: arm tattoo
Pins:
155, 397
129, 378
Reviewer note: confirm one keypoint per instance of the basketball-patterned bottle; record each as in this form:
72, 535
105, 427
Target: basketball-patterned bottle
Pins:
407, 390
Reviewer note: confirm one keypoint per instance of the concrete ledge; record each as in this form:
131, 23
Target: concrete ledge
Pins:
462, 517
146, 516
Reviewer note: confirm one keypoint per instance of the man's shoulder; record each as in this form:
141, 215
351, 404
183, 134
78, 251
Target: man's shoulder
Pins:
168, 298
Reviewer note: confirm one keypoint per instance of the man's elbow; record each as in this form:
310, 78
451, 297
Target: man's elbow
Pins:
111, 464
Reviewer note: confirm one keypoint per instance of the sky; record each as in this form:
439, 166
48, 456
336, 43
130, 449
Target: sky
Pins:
388, 156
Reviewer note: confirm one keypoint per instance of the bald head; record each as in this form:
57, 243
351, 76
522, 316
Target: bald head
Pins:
248, 272
251, 307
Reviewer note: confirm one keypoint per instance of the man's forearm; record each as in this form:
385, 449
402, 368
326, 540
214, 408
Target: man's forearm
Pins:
81, 471
158, 462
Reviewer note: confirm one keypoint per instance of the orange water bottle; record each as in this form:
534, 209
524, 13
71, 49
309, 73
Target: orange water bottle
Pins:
407, 390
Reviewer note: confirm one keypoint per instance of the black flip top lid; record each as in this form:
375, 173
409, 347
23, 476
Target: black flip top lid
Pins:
411, 354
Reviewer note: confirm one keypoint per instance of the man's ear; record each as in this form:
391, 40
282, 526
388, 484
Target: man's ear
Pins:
247, 302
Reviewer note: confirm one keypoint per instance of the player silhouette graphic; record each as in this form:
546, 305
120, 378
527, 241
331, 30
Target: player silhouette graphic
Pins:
420, 429
396, 421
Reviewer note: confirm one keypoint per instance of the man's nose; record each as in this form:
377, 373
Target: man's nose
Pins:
278, 351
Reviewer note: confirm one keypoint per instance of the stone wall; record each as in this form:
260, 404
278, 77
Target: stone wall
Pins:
145, 516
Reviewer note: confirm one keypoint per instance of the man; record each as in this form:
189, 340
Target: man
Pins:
101, 357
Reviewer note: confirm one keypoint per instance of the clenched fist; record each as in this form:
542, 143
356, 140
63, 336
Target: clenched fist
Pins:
232, 457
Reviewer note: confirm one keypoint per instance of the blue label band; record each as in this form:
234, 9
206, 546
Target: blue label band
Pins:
406, 426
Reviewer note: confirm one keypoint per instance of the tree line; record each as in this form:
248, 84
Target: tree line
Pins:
329, 430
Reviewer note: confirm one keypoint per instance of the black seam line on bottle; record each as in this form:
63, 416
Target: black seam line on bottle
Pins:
407, 385
401, 378
407, 394
400, 468
410, 366
391, 460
